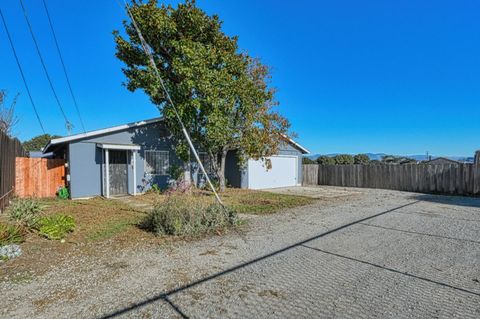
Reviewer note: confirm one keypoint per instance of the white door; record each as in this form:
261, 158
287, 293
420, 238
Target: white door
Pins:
283, 173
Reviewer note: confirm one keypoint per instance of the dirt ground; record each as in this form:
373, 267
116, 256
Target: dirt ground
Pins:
373, 253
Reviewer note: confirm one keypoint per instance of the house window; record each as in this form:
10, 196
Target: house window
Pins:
156, 162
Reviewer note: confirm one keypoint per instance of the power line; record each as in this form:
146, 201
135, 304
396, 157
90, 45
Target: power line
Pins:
63, 65
68, 125
21, 72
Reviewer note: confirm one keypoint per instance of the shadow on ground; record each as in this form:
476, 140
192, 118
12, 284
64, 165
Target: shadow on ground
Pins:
449, 200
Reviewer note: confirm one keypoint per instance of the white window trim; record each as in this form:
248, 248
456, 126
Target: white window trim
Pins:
146, 165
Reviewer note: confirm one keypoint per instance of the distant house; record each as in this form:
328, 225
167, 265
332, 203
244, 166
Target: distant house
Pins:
131, 158
441, 161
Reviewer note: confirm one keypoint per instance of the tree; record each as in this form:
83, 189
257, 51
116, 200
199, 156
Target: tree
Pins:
8, 120
344, 159
361, 159
38, 142
223, 96
306, 160
325, 160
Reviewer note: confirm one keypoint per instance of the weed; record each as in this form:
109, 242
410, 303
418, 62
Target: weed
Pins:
56, 227
10, 235
26, 211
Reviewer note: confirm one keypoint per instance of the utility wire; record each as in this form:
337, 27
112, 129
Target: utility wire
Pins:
63, 66
21, 72
148, 51
67, 122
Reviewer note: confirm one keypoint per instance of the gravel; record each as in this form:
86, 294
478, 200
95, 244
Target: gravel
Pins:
9, 252
418, 257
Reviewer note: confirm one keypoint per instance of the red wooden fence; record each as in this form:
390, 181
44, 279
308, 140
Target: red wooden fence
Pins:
39, 177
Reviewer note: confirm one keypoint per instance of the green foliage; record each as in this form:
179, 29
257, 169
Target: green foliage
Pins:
155, 189
38, 142
325, 160
361, 159
306, 160
344, 159
56, 227
175, 172
183, 215
10, 235
26, 211
63, 193
223, 95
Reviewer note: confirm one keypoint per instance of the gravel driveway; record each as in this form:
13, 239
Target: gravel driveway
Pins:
373, 254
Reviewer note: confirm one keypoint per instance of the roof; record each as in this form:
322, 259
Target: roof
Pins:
442, 159
114, 129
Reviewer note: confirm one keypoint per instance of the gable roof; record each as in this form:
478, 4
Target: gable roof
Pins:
118, 128
113, 129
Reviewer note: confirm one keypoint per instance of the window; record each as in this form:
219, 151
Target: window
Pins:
156, 162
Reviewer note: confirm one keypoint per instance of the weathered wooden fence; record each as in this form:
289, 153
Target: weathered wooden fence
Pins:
9, 149
459, 179
39, 177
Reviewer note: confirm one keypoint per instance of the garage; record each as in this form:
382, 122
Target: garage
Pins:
284, 172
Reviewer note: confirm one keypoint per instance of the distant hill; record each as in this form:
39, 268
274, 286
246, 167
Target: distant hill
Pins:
378, 156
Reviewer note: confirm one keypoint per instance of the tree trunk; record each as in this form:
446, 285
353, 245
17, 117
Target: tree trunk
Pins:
221, 170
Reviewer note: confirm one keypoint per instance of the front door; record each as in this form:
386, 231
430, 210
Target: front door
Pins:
118, 172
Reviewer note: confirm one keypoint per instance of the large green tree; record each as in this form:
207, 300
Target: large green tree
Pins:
38, 142
222, 95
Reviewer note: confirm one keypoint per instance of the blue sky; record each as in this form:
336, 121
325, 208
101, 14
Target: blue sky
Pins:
400, 77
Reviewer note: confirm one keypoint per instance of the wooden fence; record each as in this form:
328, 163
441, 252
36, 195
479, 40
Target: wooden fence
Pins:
9, 149
459, 179
39, 177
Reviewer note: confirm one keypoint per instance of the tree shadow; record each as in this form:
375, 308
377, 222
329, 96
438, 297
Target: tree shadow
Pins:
165, 295
449, 200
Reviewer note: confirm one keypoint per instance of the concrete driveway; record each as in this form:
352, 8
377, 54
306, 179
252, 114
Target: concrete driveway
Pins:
374, 254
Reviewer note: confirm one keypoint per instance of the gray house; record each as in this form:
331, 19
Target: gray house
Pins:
130, 158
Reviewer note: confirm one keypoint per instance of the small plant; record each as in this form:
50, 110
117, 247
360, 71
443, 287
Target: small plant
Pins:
56, 227
184, 215
63, 193
26, 211
10, 235
155, 189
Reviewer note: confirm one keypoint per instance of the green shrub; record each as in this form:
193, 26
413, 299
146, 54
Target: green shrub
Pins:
63, 193
325, 160
26, 211
187, 215
56, 227
344, 159
10, 235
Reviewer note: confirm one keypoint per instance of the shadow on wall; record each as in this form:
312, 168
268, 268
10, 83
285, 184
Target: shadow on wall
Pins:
449, 200
154, 137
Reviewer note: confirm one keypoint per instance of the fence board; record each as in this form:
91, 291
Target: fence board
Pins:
9, 149
460, 179
39, 177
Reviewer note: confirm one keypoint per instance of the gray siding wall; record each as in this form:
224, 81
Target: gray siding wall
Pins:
87, 171
86, 160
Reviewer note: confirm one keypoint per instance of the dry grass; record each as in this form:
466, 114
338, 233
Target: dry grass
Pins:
105, 225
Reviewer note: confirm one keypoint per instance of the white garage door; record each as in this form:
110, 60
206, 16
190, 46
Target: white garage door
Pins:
283, 173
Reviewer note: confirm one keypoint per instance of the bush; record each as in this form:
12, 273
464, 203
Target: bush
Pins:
187, 215
325, 160
25, 210
10, 235
56, 227
306, 160
361, 159
63, 193
344, 159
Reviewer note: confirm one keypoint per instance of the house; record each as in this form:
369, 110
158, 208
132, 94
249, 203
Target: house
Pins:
130, 158
441, 161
